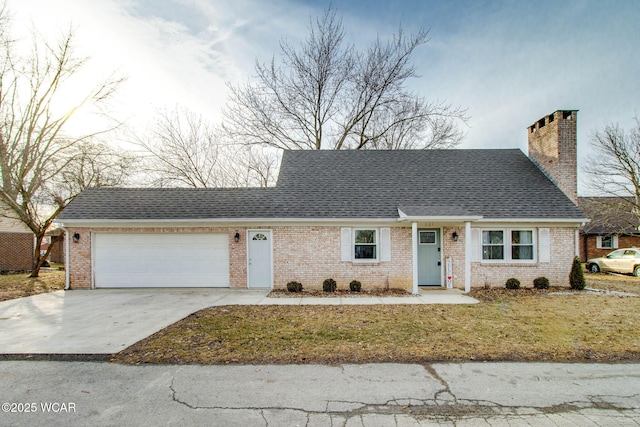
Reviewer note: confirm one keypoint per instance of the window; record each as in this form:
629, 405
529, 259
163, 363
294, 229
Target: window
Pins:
607, 242
615, 254
522, 244
427, 237
493, 244
366, 245
508, 245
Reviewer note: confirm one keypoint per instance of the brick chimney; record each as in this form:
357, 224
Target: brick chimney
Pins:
553, 145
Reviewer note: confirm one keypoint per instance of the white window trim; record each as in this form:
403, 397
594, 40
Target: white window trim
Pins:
507, 246
614, 242
377, 245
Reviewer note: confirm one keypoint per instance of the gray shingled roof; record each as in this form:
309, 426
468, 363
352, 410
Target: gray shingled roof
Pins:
495, 184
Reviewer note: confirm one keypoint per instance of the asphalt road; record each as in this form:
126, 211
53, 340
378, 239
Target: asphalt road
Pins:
468, 394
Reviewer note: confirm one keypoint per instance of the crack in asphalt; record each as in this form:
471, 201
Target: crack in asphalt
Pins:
438, 409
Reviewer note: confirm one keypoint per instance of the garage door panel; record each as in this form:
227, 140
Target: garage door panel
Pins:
161, 260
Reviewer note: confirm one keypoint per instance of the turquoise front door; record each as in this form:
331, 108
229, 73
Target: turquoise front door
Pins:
429, 258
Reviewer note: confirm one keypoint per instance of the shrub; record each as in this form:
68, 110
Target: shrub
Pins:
541, 283
294, 287
576, 277
355, 286
329, 285
513, 283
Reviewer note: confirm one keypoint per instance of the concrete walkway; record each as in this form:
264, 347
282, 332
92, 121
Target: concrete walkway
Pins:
106, 321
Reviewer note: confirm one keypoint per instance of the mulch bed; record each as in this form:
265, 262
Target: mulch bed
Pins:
318, 293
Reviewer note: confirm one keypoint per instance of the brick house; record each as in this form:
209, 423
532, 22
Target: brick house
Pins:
612, 225
16, 246
402, 219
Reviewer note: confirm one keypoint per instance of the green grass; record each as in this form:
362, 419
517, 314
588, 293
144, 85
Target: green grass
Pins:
21, 285
543, 327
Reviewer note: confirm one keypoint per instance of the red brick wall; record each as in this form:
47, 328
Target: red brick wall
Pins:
16, 251
588, 245
57, 251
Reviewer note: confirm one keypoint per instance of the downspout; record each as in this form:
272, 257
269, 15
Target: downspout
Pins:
467, 256
66, 259
414, 250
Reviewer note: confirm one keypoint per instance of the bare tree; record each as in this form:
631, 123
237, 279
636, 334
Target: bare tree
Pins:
183, 149
251, 166
43, 167
326, 94
614, 170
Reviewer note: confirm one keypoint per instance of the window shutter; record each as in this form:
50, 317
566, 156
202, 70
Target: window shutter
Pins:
614, 242
598, 242
476, 245
385, 244
345, 244
544, 245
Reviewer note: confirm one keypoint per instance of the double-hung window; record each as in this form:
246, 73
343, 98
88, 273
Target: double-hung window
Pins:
508, 245
607, 242
365, 244
493, 244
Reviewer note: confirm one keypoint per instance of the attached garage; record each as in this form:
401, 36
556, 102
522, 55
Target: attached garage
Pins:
167, 260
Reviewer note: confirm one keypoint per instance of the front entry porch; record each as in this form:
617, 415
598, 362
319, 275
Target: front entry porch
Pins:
430, 257
441, 254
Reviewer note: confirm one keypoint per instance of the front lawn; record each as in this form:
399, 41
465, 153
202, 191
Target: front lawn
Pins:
21, 285
522, 325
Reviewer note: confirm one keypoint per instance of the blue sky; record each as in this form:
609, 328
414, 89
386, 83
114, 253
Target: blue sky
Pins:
508, 62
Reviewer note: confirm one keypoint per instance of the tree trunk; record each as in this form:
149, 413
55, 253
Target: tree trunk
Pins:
37, 258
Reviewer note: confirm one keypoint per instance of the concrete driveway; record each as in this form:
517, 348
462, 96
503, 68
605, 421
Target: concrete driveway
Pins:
106, 321
102, 320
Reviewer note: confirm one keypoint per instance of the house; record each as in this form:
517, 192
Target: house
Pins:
402, 219
612, 225
54, 238
17, 244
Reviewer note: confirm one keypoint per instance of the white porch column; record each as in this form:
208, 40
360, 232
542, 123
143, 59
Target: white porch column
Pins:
414, 252
467, 256
577, 242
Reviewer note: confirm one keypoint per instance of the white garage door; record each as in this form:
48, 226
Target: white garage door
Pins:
161, 260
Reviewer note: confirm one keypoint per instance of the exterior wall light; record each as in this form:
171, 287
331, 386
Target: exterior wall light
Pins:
76, 237
236, 238
455, 236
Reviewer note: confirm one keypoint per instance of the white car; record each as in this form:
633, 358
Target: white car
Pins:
625, 260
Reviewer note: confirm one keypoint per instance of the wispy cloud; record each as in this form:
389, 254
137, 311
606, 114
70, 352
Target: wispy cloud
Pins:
510, 63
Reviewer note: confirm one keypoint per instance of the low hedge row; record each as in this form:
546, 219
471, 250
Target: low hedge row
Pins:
329, 285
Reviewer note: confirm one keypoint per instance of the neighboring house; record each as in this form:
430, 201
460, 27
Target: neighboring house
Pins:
56, 254
402, 219
16, 246
612, 225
